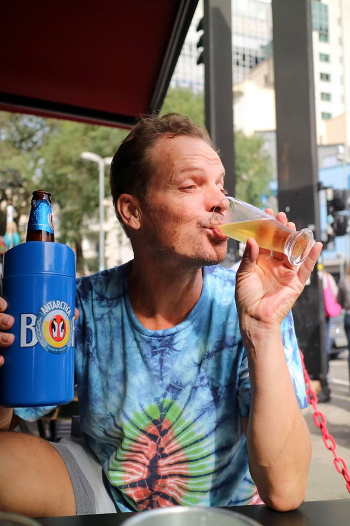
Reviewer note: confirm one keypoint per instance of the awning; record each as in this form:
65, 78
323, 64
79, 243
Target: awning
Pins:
105, 61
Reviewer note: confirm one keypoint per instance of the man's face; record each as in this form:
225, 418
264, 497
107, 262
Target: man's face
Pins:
186, 184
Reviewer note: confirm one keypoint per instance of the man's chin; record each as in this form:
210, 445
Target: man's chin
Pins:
215, 259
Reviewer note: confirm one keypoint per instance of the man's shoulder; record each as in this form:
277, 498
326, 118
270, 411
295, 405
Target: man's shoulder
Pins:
103, 281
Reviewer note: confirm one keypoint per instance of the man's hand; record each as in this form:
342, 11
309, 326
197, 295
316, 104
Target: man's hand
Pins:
267, 285
6, 322
6, 339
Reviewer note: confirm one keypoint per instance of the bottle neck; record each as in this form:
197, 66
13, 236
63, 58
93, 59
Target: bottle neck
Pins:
40, 235
40, 224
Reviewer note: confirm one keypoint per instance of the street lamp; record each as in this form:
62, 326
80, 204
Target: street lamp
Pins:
102, 162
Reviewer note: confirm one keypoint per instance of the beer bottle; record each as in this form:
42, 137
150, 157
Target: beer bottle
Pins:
40, 224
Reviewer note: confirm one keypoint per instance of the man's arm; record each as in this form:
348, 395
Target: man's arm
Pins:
278, 439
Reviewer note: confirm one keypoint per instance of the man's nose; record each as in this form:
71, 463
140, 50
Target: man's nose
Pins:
221, 205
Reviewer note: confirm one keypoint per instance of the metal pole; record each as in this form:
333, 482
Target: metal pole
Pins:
101, 198
297, 160
218, 91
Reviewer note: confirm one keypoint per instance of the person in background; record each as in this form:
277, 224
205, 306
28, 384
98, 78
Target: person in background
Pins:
343, 298
189, 376
11, 237
327, 280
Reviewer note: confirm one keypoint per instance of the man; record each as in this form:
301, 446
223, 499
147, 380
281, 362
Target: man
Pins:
186, 395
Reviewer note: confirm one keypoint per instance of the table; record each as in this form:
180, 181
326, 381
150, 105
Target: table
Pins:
316, 513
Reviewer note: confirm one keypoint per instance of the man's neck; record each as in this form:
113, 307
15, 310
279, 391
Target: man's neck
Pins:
162, 298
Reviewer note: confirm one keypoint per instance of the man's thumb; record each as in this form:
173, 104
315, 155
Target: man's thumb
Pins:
250, 256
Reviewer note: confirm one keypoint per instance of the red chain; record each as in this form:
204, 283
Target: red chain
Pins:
320, 422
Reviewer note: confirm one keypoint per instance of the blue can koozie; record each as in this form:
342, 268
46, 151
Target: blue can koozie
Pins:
39, 287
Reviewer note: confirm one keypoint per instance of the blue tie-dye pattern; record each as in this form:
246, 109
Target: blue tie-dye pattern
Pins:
122, 368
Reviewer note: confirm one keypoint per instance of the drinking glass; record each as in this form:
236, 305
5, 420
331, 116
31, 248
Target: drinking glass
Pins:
240, 220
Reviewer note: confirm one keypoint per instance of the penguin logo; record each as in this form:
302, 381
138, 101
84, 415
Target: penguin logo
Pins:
55, 327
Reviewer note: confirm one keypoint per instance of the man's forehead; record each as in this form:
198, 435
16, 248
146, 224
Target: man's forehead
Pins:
185, 150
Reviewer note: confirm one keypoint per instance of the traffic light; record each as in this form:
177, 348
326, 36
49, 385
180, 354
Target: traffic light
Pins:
341, 224
329, 192
200, 43
338, 205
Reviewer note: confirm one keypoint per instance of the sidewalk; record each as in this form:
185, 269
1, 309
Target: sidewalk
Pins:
325, 482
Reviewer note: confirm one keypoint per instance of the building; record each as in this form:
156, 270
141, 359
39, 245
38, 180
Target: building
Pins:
254, 102
331, 56
251, 35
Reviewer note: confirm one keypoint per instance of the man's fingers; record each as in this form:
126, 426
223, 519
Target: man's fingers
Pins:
6, 322
3, 304
6, 339
250, 255
308, 265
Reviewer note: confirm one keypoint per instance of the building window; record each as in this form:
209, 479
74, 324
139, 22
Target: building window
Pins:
325, 115
319, 15
325, 76
324, 57
326, 96
323, 36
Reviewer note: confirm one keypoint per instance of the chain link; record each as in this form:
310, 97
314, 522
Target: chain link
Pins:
320, 422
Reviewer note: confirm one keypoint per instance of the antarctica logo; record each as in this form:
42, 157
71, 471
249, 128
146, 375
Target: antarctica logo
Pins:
54, 327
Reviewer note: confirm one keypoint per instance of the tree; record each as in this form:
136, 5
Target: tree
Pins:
21, 138
72, 181
253, 169
184, 101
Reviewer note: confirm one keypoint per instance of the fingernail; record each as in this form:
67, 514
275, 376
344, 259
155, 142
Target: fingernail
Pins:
6, 337
6, 318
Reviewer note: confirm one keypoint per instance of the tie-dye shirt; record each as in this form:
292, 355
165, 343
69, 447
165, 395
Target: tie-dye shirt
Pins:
162, 409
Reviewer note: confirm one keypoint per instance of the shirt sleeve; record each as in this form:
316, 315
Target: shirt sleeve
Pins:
292, 354
31, 414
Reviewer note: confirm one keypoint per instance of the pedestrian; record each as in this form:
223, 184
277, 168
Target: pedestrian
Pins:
344, 300
330, 291
189, 376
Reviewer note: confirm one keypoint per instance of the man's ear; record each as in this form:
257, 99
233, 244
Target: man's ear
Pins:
129, 210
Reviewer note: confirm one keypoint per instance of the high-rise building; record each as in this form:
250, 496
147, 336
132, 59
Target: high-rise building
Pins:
251, 35
253, 66
331, 56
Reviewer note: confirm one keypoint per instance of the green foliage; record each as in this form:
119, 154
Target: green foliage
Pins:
186, 102
253, 169
73, 182
21, 138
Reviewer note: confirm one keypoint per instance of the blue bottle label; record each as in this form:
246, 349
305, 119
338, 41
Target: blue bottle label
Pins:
41, 216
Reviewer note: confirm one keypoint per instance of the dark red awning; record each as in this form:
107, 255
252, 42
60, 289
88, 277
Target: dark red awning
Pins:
98, 61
